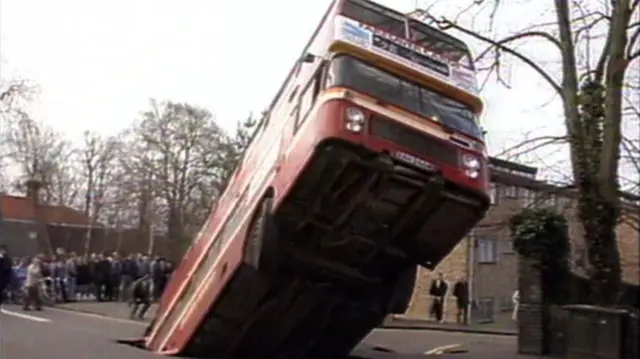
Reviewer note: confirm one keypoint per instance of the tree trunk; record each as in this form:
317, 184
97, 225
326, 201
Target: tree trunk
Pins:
599, 219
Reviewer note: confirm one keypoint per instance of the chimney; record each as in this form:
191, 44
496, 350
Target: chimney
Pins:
33, 190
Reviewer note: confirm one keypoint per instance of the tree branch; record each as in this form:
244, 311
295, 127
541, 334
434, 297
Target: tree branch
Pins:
587, 25
445, 24
633, 40
535, 143
631, 148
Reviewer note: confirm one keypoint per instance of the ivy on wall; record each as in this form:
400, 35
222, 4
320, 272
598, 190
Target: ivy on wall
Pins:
542, 236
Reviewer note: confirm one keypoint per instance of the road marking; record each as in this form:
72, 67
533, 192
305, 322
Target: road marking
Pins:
98, 316
465, 333
442, 349
25, 316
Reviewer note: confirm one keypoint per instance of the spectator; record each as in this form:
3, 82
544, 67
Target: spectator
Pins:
158, 273
438, 292
32, 285
6, 271
83, 279
461, 292
72, 274
144, 266
114, 279
129, 273
101, 277
60, 275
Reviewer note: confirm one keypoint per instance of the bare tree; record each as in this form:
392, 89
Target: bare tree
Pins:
234, 147
97, 156
13, 95
41, 154
65, 184
176, 159
591, 91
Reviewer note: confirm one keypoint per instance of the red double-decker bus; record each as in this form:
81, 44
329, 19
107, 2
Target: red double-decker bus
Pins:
369, 162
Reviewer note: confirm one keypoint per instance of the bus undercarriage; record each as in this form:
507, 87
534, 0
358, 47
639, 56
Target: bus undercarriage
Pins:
335, 258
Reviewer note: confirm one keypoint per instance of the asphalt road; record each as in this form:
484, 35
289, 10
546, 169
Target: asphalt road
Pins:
60, 334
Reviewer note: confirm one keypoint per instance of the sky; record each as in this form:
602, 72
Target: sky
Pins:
98, 62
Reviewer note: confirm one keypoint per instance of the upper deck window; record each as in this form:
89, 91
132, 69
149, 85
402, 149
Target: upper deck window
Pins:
350, 72
440, 43
375, 15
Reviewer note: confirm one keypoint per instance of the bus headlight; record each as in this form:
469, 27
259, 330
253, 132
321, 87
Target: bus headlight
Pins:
355, 119
472, 165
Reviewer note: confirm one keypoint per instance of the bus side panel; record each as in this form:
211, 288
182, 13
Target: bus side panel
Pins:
186, 265
325, 122
194, 257
212, 287
220, 271
190, 264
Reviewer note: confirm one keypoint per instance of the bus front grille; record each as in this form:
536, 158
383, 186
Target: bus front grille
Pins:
413, 140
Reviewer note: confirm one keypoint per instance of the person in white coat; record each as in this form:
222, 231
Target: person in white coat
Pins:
516, 303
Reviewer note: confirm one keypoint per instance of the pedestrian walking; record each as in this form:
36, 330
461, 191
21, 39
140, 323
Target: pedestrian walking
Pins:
516, 304
141, 296
33, 284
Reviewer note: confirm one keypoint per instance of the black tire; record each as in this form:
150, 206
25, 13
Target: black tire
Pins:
403, 290
260, 250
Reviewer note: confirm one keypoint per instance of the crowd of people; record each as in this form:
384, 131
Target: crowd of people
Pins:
66, 277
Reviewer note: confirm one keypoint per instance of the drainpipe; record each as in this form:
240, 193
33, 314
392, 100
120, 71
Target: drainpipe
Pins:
470, 274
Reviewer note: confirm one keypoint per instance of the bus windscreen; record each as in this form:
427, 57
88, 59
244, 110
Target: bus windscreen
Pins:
350, 72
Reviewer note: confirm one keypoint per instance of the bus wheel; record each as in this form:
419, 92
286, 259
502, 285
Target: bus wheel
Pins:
403, 290
260, 252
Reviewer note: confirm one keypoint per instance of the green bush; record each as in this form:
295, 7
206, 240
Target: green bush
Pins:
542, 236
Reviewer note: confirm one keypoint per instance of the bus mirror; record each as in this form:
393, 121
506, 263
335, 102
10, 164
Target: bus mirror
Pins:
308, 58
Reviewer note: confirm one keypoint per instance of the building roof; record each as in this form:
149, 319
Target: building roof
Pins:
14, 207
514, 174
22, 208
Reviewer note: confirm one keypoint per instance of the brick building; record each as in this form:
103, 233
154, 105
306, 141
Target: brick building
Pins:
487, 257
28, 226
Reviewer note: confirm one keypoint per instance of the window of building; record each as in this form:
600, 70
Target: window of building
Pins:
549, 201
563, 203
486, 250
507, 246
486, 310
511, 192
528, 197
493, 192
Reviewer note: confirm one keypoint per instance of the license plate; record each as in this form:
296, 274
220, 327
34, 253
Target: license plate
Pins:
415, 161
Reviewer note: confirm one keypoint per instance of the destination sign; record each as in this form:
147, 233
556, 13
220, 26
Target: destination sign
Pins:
411, 55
